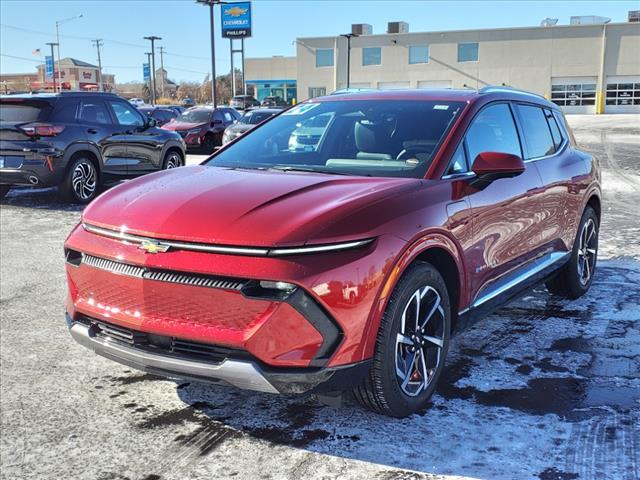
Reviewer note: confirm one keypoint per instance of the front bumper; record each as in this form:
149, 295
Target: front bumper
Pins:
244, 373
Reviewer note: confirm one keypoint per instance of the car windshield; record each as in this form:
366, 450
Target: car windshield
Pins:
388, 138
195, 116
253, 118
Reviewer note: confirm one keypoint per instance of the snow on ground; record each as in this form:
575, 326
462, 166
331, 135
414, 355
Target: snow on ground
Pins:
542, 389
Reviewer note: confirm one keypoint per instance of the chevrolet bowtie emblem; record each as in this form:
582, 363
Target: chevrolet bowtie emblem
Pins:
235, 11
153, 247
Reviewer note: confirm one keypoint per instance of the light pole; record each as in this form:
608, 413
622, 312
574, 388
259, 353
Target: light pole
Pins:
53, 59
152, 39
348, 36
162, 70
211, 4
58, 23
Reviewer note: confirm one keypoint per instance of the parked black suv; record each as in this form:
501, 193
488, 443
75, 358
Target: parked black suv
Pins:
79, 141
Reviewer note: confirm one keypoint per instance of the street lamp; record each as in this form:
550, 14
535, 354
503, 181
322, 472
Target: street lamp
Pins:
153, 66
349, 36
211, 4
58, 23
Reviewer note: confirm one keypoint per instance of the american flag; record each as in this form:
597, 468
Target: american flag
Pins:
36, 52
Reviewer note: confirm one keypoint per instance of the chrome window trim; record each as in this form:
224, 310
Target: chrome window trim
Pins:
556, 153
211, 248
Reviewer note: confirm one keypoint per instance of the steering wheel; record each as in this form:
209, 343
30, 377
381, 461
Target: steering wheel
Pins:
413, 150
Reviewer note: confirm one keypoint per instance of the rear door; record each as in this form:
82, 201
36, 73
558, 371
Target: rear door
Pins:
547, 147
506, 231
102, 131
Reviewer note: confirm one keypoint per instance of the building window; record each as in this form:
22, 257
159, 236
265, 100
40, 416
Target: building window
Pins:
371, 56
418, 54
623, 93
324, 57
317, 92
468, 52
574, 94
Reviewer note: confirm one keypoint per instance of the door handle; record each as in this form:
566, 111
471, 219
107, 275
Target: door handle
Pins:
92, 130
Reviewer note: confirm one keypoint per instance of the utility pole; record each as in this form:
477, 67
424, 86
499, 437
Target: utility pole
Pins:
211, 4
53, 58
162, 70
152, 39
98, 43
148, 54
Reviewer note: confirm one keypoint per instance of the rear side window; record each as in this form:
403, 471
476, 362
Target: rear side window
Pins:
555, 130
66, 111
536, 133
228, 117
562, 122
94, 112
493, 130
24, 111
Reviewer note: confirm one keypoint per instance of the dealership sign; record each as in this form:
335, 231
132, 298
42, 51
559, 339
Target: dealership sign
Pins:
48, 66
236, 20
146, 72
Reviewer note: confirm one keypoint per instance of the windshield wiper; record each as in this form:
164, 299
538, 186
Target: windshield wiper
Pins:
288, 168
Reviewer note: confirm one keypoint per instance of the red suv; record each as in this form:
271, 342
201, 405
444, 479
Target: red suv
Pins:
344, 262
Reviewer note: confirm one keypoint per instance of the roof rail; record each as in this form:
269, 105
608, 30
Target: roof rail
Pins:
505, 88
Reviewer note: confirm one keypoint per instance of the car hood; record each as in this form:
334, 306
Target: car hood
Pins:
182, 125
246, 207
240, 127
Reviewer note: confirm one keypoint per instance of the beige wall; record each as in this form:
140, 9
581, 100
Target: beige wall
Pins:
525, 58
272, 68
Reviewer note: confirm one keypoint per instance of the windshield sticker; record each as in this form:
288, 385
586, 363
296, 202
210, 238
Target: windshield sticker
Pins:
441, 107
301, 109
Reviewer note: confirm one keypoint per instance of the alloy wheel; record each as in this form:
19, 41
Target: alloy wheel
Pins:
173, 161
84, 180
587, 251
420, 341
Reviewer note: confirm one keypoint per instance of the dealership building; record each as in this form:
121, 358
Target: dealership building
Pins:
585, 67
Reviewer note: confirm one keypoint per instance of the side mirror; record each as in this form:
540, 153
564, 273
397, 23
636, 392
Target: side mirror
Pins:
491, 166
151, 122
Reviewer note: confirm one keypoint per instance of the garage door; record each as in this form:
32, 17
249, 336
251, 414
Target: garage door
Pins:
574, 94
392, 85
622, 94
434, 84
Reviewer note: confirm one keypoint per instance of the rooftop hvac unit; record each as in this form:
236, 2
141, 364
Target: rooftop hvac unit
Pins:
361, 29
397, 27
634, 16
548, 22
589, 20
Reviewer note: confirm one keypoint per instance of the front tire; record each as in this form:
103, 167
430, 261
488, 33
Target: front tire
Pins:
172, 160
574, 278
411, 345
80, 184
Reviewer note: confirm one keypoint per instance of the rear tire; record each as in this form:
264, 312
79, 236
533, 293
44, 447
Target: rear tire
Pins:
574, 278
4, 189
209, 144
411, 345
80, 184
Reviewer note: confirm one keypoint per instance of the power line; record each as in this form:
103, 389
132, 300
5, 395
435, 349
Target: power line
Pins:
20, 58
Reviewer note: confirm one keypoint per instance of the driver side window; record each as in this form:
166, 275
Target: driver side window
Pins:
493, 130
126, 114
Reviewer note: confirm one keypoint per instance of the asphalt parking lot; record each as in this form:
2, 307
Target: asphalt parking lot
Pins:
542, 389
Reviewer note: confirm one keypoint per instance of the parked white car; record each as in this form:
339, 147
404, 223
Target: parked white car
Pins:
136, 102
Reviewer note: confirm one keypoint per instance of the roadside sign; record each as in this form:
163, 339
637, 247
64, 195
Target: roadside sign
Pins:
146, 72
236, 19
48, 66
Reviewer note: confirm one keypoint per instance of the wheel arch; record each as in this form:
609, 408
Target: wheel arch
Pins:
445, 255
79, 150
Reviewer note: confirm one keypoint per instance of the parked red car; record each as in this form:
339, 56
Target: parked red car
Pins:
203, 127
345, 264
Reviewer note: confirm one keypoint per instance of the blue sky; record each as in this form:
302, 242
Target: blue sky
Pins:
184, 26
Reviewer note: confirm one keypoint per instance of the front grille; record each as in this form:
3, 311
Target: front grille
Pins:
161, 344
193, 279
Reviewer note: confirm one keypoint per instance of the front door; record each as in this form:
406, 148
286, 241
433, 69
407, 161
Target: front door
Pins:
506, 232
143, 145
